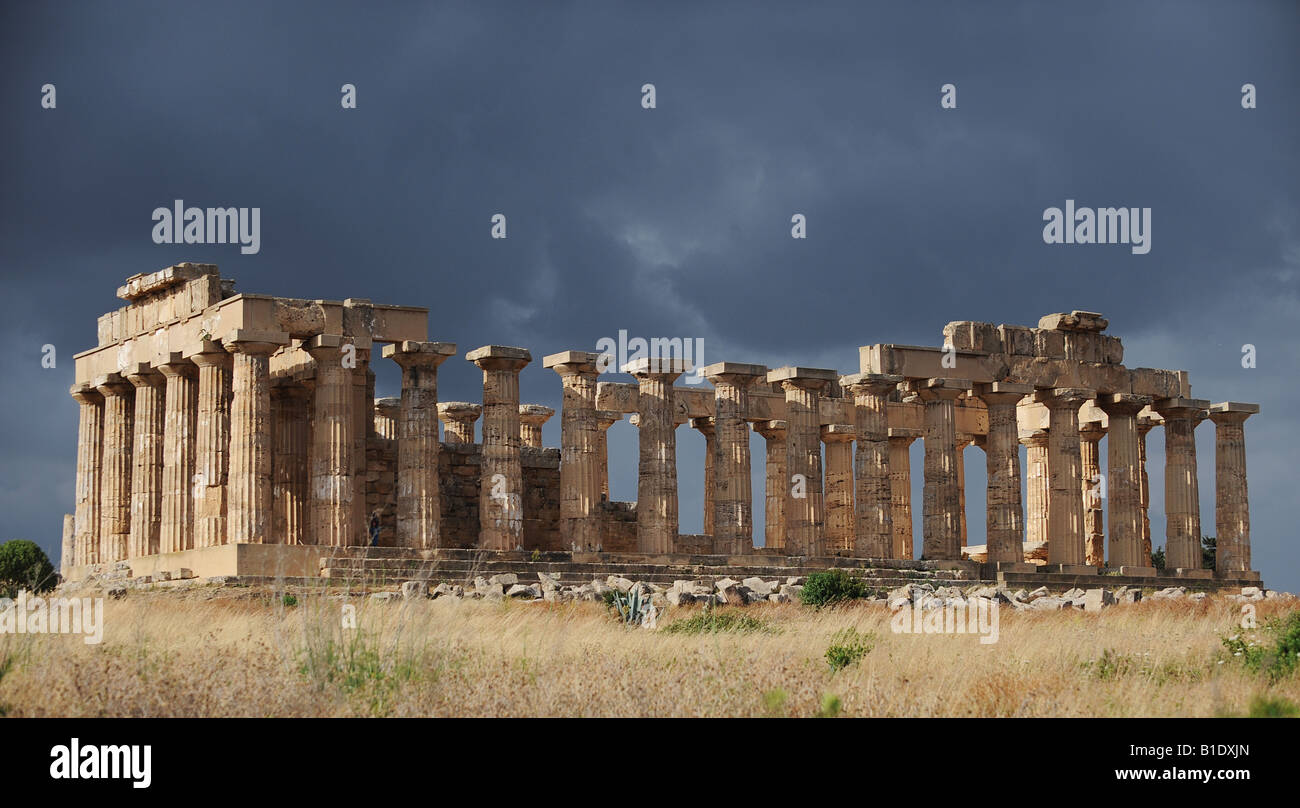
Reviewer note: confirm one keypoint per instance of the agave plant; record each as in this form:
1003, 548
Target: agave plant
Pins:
634, 609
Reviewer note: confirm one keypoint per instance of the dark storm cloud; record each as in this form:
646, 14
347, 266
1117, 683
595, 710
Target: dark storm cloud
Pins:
673, 221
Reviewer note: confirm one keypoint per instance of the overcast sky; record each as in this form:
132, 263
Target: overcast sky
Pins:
673, 221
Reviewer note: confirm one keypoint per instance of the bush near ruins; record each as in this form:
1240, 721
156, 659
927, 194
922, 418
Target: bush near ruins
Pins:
847, 647
832, 586
1273, 651
23, 565
712, 621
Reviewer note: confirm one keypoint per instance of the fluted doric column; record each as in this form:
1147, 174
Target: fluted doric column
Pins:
1145, 423
180, 443
1124, 479
501, 484
329, 458
708, 429
291, 439
776, 483
90, 447
963, 440
531, 419
656, 507
873, 518
388, 411
732, 491
419, 501
1065, 537
900, 489
1182, 493
941, 504
604, 420
116, 466
1005, 515
805, 509
146, 460
458, 418
581, 442
363, 426
1094, 536
212, 443
1037, 473
838, 439
248, 516
1231, 500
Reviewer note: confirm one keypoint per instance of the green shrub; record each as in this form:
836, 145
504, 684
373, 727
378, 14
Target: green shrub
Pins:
774, 702
832, 586
1274, 650
847, 647
23, 565
712, 621
289, 599
831, 706
1262, 706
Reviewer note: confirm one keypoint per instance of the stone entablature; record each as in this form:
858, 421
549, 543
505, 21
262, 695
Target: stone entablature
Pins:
211, 418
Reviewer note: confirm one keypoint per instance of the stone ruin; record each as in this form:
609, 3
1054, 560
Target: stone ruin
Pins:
224, 433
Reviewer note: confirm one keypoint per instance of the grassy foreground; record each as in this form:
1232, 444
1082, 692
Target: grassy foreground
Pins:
168, 654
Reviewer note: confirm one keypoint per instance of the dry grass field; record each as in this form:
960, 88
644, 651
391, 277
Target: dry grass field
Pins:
193, 654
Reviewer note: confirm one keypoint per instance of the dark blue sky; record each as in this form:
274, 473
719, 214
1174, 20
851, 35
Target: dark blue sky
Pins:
673, 221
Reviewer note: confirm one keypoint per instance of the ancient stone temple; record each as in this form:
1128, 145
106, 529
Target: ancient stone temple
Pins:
224, 433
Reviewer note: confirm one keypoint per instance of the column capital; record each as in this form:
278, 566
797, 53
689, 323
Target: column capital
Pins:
207, 353
1146, 423
1231, 412
705, 425
112, 384
412, 353
663, 369
1122, 403
325, 347
838, 433
571, 363
255, 343
904, 433
500, 357
1037, 438
737, 373
870, 384
800, 378
1002, 392
770, 429
142, 374
1178, 408
607, 418
289, 389
1064, 398
535, 414
458, 410
173, 364
1092, 431
389, 407
942, 389
85, 393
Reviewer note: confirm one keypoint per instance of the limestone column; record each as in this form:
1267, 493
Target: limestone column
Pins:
458, 418
212, 443
1182, 494
331, 519
180, 437
1231, 501
115, 468
291, 437
963, 440
581, 444
900, 489
1036, 477
1124, 479
147, 460
531, 418
805, 515
941, 505
732, 493
419, 501
656, 506
90, 447
501, 518
1065, 538
775, 485
387, 413
604, 420
249, 519
873, 519
363, 426
707, 428
1094, 537
68, 546
1005, 515
1145, 424
840, 520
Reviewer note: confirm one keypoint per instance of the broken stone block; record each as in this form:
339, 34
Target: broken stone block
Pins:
504, 579
1095, 599
414, 589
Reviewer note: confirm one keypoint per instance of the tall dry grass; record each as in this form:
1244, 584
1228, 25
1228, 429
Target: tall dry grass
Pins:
176, 655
